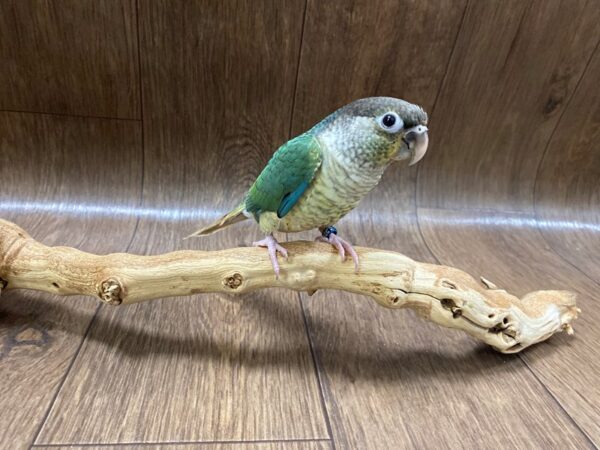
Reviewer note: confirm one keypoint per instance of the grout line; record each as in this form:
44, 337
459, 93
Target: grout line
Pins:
435, 258
561, 257
316, 367
78, 116
537, 173
581, 271
516, 36
318, 370
443, 82
536, 228
133, 234
561, 407
433, 107
295, 93
548, 390
539, 169
64, 378
437, 95
168, 443
143, 131
74, 358
519, 355
139, 58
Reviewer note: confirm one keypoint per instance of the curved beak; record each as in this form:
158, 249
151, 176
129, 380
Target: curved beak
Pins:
417, 140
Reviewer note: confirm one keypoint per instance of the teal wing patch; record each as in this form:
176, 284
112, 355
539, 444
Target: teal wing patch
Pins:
286, 177
289, 200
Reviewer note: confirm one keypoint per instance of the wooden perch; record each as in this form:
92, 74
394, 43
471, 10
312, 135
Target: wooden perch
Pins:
445, 295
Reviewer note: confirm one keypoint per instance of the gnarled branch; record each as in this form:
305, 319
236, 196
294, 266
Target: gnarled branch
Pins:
445, 295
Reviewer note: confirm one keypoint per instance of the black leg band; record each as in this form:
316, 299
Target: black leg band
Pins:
328, 232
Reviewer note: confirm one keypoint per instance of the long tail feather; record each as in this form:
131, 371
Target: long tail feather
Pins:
234, 216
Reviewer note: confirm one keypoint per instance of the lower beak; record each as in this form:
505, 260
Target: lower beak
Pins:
417, 140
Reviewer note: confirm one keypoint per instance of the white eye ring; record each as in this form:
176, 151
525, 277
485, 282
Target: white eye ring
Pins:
390, 122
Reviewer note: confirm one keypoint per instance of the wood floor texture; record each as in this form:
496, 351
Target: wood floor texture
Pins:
124, 124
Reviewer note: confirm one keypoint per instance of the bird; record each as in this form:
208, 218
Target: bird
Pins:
319, 176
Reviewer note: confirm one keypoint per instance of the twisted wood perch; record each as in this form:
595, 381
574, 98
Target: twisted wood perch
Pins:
445, 295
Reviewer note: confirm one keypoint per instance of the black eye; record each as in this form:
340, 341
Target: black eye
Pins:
388, 120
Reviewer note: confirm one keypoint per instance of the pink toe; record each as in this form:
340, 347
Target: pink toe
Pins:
282, 250
338, 243
352, 253
355, 259
341, 251
343, 247
274, 262
261, 243
272, 247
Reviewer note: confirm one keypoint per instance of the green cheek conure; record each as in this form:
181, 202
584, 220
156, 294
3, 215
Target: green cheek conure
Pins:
316, 178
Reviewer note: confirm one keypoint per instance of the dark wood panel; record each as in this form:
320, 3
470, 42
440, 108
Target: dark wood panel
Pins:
354, 49
81, 165
351, 50
219, 84
568, 184
509, 251
69, 57
49, 161
390, 379
217, 89
514, 68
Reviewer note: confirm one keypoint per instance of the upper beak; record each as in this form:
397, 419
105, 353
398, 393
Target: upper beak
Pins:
417, 140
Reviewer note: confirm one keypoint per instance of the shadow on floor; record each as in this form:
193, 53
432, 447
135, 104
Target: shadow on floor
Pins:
133, 341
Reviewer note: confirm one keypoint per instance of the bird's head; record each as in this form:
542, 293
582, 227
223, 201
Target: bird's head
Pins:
378, 130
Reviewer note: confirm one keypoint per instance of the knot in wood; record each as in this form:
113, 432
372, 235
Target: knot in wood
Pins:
448, 303
451, 305
110, 292
552, 104
448, 284
234, 281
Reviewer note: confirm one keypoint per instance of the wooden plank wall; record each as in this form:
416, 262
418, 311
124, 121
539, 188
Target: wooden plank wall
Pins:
124, 123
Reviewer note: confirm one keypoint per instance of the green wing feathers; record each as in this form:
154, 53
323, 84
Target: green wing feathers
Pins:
285, 178
279, 186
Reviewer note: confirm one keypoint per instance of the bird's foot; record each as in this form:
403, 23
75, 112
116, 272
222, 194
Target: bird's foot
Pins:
343, 247
273, 247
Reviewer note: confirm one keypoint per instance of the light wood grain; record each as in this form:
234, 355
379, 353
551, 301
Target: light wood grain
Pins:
217, 102
444, 295
568, 189
43, 164
514, 68
504, 248
69, 57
